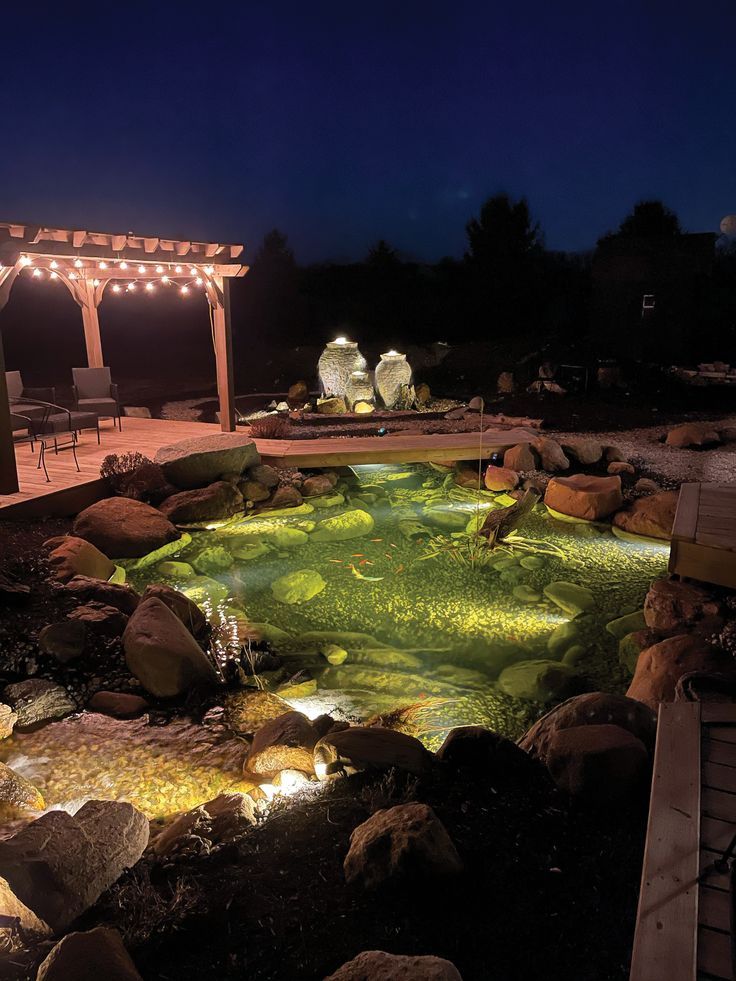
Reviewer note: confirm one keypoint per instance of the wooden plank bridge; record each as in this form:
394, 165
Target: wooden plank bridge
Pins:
704, 534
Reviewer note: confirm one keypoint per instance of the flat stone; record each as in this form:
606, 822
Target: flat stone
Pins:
85, 589
369, 748
36, 702
61, 863
520, 458
537, 680
16, 790
692, 434
120, 705
248, 709
215, 502
203, 460
341, 527
299, 586
581, 496
377, 965
500, 478
64, 640
585, 451
570, 597
621, 467
124, 528
89, 956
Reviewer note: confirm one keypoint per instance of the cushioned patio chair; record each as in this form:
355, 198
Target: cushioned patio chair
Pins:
27, 401
95, 392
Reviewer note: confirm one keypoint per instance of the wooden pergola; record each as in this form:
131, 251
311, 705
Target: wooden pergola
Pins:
87, 263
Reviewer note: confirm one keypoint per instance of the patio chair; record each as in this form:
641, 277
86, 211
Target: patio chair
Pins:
27, 401
57, 424
95, 392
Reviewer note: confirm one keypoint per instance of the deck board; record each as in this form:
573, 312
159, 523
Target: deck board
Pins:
704, 533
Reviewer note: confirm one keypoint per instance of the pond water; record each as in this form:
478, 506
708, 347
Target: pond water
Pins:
381, 593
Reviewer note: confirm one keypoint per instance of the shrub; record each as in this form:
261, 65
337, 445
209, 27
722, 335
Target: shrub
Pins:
271, 427
134, 475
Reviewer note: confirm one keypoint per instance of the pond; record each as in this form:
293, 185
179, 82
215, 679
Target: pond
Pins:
380, 597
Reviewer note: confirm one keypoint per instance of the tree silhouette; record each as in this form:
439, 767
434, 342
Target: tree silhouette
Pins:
503, 232
650, 219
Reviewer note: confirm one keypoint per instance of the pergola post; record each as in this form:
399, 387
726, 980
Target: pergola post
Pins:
223, 341
91, 321
8, 468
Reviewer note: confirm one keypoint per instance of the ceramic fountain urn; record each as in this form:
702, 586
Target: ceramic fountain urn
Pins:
337, 362
359, 391
392, 372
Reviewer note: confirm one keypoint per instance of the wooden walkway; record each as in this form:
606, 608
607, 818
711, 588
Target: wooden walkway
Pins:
683, 930
69, 491
704, 534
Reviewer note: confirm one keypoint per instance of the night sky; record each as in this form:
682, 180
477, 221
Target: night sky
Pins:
341, 123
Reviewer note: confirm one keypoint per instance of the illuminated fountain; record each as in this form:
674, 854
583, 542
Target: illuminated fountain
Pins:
393, 372
337, 362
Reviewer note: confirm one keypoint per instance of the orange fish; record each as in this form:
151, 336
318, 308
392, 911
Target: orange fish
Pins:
357, 555
399, 569
392, 545
339, 561
376, 539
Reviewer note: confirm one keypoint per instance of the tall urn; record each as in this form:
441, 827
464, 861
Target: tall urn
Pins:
393, 372
337, 362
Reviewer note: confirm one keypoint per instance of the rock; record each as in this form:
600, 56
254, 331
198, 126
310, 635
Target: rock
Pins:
619, 467
8, 718
248, 709
19, 926
285, 497
526, 594
466, 477
62, 863
627, 624
604, 764
213, 560
422, 393
124, 528
562, 637
369, 748
445, 517
99, 618
376, 965
570, 597
85, 589
75, 556
585, 451
671, 605
646, 486
333, 405
505, 384
661, 666
253, 491
651, 516
537, 680
520, 458
175, 570
203, 460
17, 791
118, 704
491, 756
317, 486
298, 392
36, 701
403, 842
64, 640
298, 587
205, 592
283, 743
162, 653
500, 478
182, 607
551, 455
265, 475
340, 527
212, 503
692, 434
197, 832
593, 708
631, 646
88, 956
581, 496
476, 404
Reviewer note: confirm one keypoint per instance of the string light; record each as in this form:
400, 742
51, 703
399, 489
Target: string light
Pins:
209, 270
177, 269
131, 287
116, 288
37, 273
103, 264
184, 290
192, 272
123, 264
72, 275
159, 269
26, 260
141, 269
95, 282
199, 280
149, 287
54, 264
78, 263
164, 279
53, 275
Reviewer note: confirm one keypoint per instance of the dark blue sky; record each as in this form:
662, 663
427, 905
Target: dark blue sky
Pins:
340, 123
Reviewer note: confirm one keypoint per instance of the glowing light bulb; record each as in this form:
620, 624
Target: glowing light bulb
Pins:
53, 275
78, 263
72, 275
131, 287
392, 353
95, 282
123, 264
149, 287
54, 264
199, 280
25, 260
192, 271
184, 290
159, 269
209, 270
103, 265
177, 269
141, 269
164, 279
341, 340
116, 288
37, 273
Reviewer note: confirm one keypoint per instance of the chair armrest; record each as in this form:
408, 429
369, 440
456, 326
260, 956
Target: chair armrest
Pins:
45, 394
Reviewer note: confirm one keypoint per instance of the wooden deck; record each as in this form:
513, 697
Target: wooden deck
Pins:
704, 534
683, 930
69, 491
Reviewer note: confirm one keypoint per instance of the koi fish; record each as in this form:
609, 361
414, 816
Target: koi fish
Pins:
359, 575
376, 539
392, 545
339, 561
399, 569
357, 555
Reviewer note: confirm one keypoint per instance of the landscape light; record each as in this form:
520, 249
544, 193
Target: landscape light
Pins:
341, 340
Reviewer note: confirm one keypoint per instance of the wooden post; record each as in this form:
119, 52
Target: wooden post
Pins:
224, 354
8, 468
91, 322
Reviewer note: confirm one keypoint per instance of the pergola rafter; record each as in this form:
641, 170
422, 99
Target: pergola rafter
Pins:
87, 263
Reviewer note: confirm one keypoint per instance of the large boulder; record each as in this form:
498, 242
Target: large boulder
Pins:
317, 485
162, 653
603, 764
85, 589
78, 557
404, 842
202, 460
585, 451
520, 457
181, 606
660, 667
19, 925
692, 434
672, 605
215, 502
591, 709
377, 965
551, 454
213, 823
490, 756
124, 528
62, 863
651, 516
284, 743
581, 496
369, 748
340, 527
538, 680
89, 956
36, 701
299, 586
